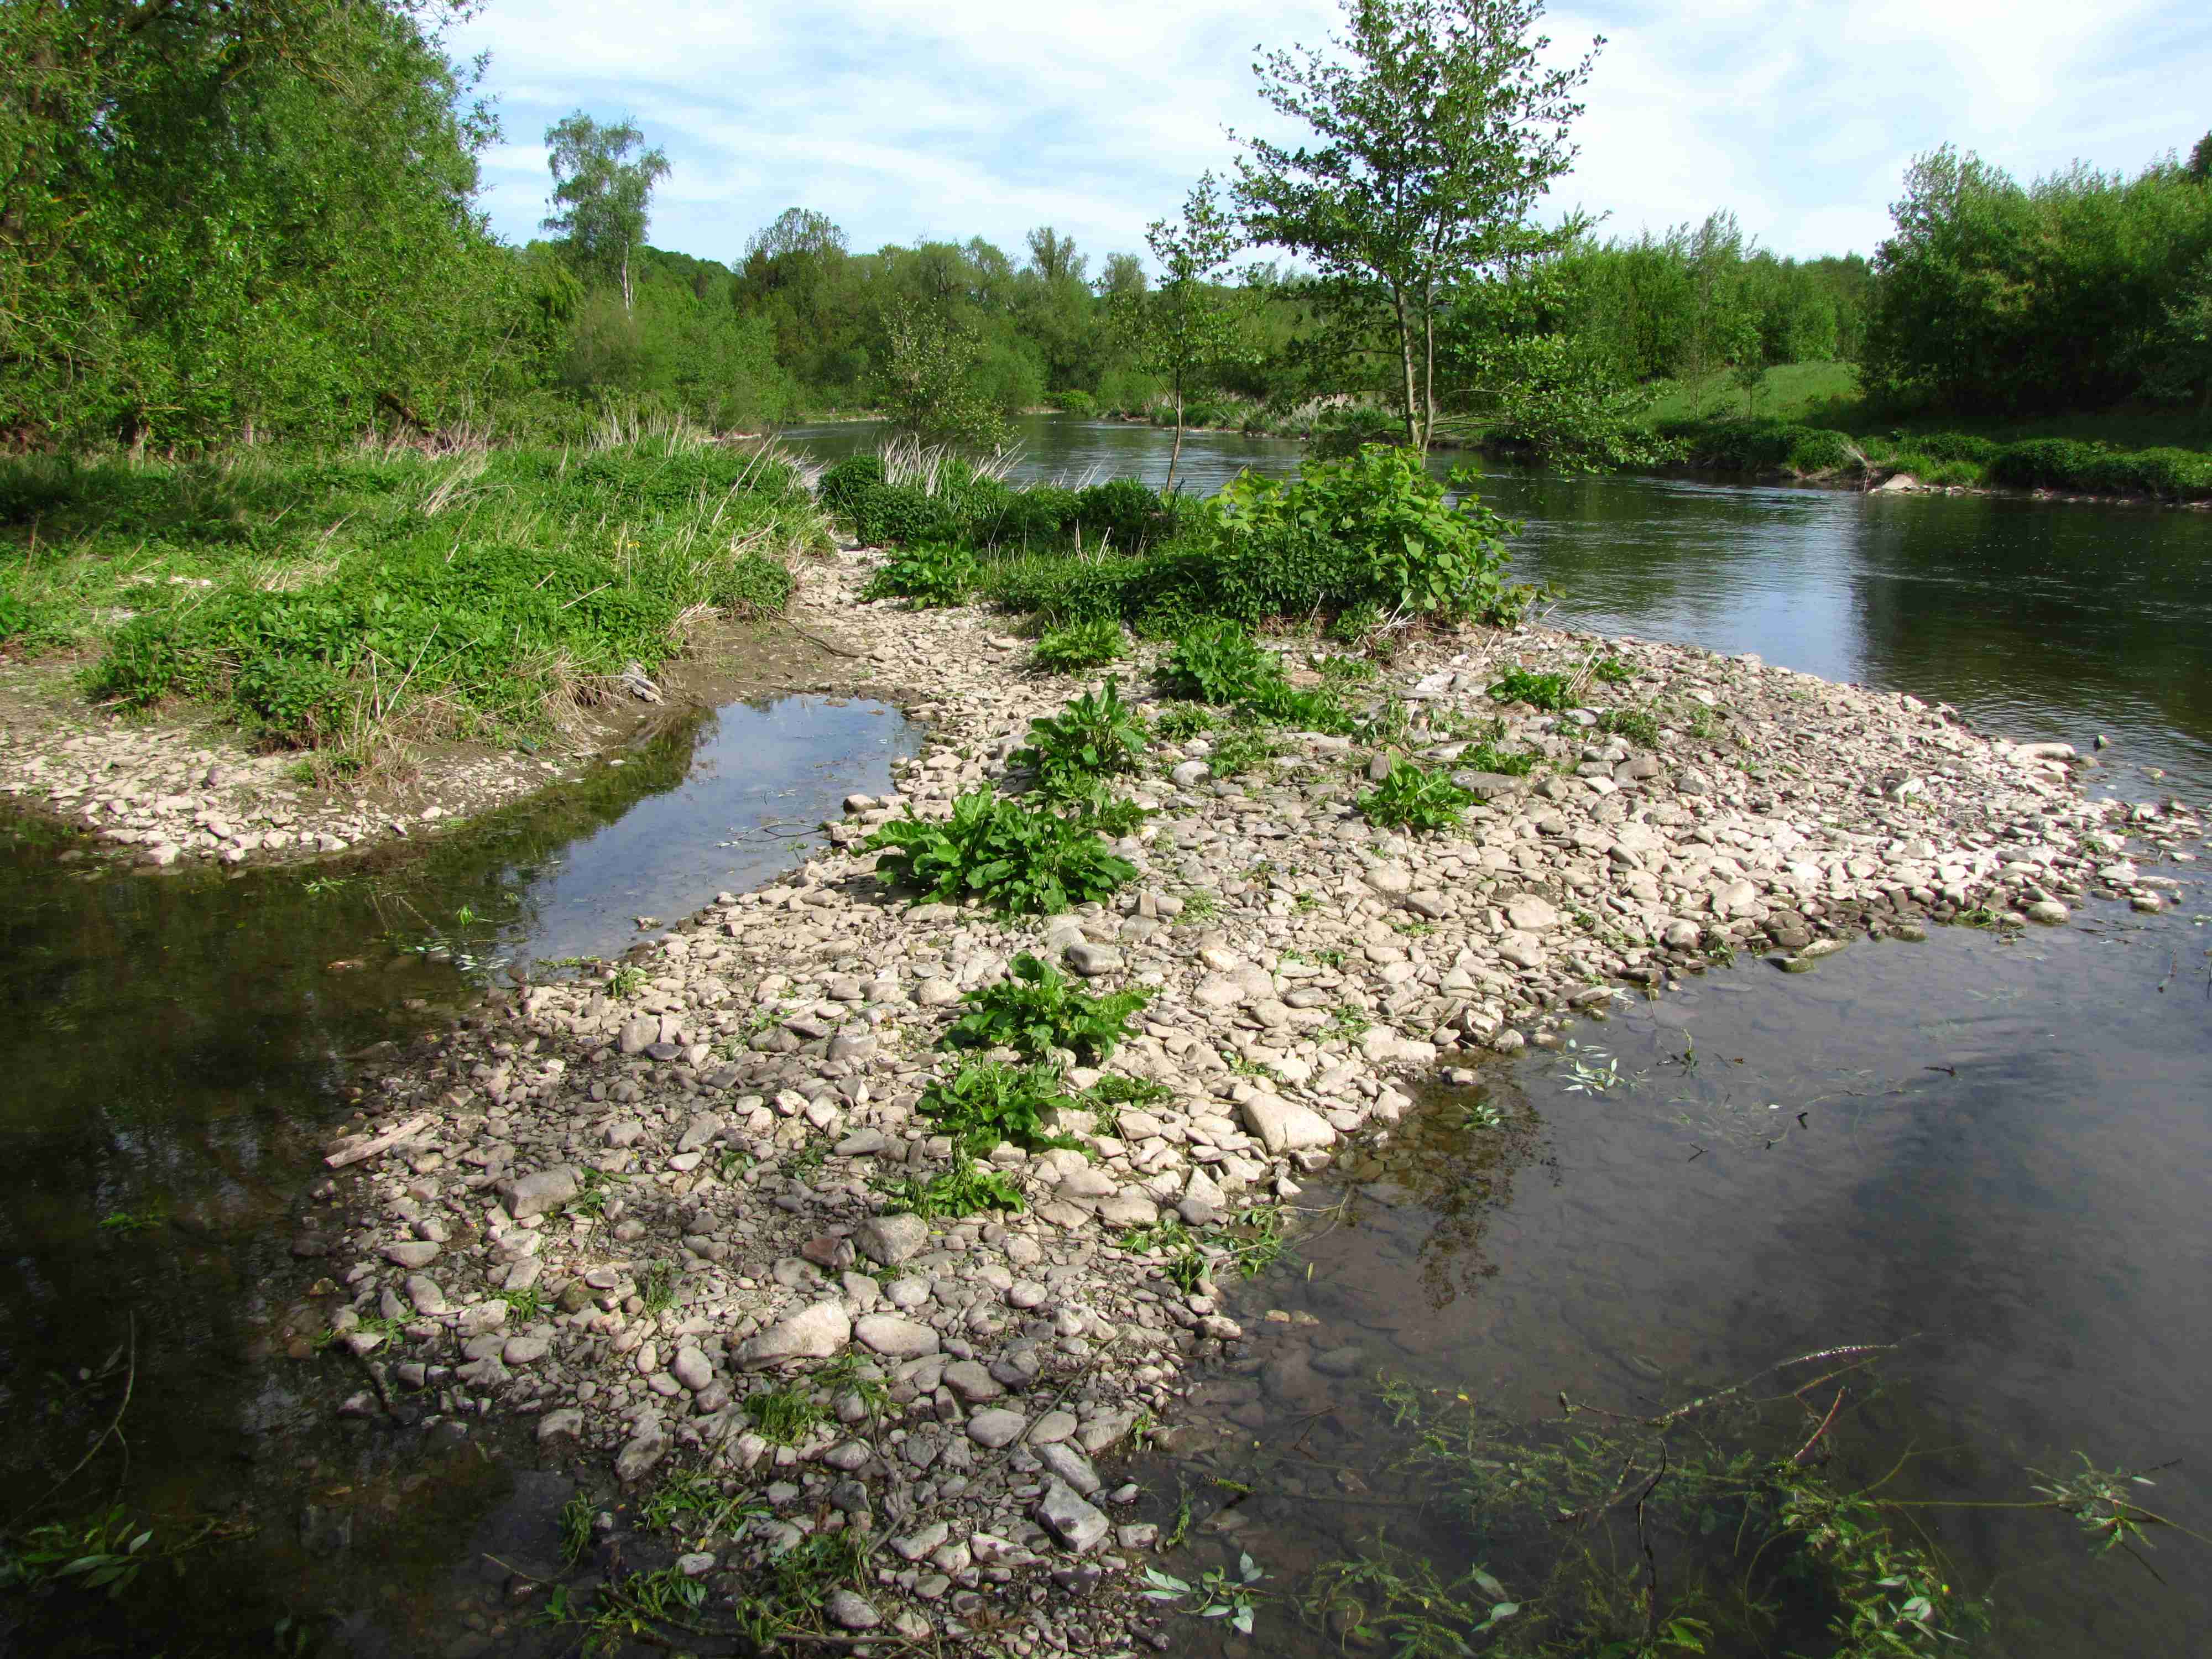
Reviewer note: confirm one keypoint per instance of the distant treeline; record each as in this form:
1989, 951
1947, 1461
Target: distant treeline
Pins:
218, 221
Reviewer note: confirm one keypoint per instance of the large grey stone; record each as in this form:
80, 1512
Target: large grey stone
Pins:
1530, 915
1071, 1466
641, 1451
969, 1380
995, 1427
1069, 1518
535, 1195
895, 1338
1092, 960
411, 1252
815, 1333
890, 1239
1283, 1126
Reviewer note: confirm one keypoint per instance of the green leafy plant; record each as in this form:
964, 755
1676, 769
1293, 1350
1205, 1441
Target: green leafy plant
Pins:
1637, 725
965, 1189
1038, 1008
578, 1517
1014, 857
786, 1416
931, 576
656, 1287
626, 982
1410, 799
1549, 691
1219, 1593
132, 1221
1183, 721
1096, 736
1080, 645
105, 1552
1218, 663
1612, 671
984, 1103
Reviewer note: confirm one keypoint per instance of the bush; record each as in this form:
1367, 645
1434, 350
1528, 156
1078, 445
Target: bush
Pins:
2043, 464
1096, 736
1038, 1008
1345, 429
1953, 447
1080, 645
984, 1103
1014, 858
1216, 662
1547, 691
1410, 799
1764, 445
1081, 405
930, 576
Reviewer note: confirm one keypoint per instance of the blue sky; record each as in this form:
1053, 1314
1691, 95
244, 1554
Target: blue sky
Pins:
987, 117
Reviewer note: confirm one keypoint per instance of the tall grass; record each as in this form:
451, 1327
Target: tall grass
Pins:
342, 602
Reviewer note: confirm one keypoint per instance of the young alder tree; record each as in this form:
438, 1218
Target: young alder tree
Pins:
929, 382
602, 197
1437, 132
1187, 326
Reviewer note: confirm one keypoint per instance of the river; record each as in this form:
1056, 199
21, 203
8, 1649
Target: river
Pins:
2003, 1153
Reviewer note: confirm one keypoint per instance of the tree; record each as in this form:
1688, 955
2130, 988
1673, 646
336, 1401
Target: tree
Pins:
602, 199
1186, 326
929, 384
1053, 257
1434, 143
1123, 277
2200, 159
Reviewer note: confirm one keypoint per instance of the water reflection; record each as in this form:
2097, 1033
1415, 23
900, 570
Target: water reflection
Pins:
176, 1047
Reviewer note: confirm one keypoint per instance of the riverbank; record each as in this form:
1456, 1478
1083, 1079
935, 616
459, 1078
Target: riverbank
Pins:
690, 1157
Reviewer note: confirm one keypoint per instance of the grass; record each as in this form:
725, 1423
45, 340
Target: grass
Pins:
351, 603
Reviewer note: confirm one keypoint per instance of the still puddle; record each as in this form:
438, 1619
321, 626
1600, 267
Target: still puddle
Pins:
1994, 1151
176, 1052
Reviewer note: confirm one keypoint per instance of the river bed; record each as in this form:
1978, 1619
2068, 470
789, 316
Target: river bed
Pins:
2036, 1213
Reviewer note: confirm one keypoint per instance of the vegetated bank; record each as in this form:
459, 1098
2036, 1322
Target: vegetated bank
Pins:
853, 1229
398, 627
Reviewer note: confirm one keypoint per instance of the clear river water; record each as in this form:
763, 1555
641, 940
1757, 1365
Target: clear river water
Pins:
1998, 1148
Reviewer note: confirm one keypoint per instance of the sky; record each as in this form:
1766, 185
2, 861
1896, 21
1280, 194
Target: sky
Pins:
964, 117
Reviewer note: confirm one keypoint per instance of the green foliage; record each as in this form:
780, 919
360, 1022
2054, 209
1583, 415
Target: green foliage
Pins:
963, 1190
930, 574
1187, 328
578, 1516
656, 1287
330, 604
604, 177
1014, 857
1637, 725
1554, 692
784, 1416
1993, 297
1038, 1008
1096, 736
1763, 446
105, 1552
1612, 671
931, 380
1438, 128
1410, 799
1067, 650
984, 1103
1218, 663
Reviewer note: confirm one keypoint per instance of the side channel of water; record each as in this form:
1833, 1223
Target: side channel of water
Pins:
176, 1051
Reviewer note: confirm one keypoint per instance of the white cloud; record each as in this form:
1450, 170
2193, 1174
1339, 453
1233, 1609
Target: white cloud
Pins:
987, 117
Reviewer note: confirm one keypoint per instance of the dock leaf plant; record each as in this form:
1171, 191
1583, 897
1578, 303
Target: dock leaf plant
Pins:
1036, 1009
1014, 857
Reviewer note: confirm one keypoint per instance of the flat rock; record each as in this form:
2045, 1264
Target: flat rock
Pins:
815, 1333
411, 1252
1283, 1126
534, 1194
996, 1427
1069, 1518
895, 1338
1530, 915
641, 1451
890, 1239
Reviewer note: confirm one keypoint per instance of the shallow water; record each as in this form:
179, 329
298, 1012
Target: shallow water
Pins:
177, 1051
2000, 1163
2041, 621
177, 1048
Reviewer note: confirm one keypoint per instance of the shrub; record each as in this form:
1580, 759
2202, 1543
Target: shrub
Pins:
1549, 691
1637, 725
1038, 1008
1096, 736
1127, 513
14, 615
1218, 663
929, 575
843, 485
1079, 404
1953, 447
1345, 429
2042, 464
1080, 645
986, 1103
1012, 857
1410, 799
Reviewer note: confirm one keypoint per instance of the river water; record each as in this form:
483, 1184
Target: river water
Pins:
2031, 1212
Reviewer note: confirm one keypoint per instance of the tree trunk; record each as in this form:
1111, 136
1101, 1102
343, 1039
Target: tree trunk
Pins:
1429, 370
625, 279
1175, 454
1414, 437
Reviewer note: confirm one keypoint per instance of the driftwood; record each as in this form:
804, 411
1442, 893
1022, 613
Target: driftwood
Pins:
391, 1138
